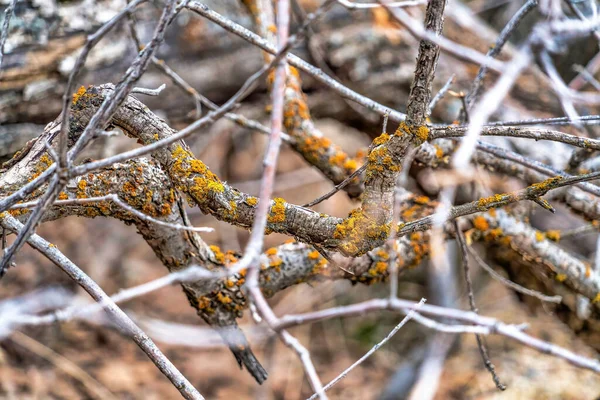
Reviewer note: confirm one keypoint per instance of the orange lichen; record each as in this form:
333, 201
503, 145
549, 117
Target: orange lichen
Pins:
351, 164
251, 201
494, 234
381, 267
313, 255
380, 160
77, 95
223, 299
277, 213
420, 133
546, 185
219, 256
271, 252
484, 203
63, 196
204, 304
81, 185
381, 139
42, 164
358, 231
338, 158
314, 148
539, 236
216, 186
382, 254
421, 200
319, 266
553, 235
480, 223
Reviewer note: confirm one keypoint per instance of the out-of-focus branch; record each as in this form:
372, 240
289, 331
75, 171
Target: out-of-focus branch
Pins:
128, 327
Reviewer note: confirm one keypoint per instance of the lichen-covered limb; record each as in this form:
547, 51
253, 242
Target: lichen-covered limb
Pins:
576, 199
519, 132
547, 257
143, 185
309, 142
365, 229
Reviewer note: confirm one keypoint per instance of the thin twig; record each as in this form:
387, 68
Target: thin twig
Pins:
8, 13
503, 37
368, 354
480, 344
495, 327
119, 317
514, 286
440, 95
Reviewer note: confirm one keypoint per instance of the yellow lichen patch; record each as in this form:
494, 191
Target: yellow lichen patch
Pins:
77, 95
596, 299
421, 200
380, 160
546, 185
381, 267
560, 277
358, 231
277, 213
553, 235
410, 212
63, 196
204, 304
588, 270
230, 258
42, 164
289, 241
480, 223
494, 234
276, 263
439, 152
229, 283
338, 158
18, 211
484, 203
165, 209
216, 187
539, 236
350, 165
313, 255
319, 266
251, 201
81, 185
129, 188
223, 299
421, 133
382, 254
271, 252
381, 139
219, 256
420, 248
314, 148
